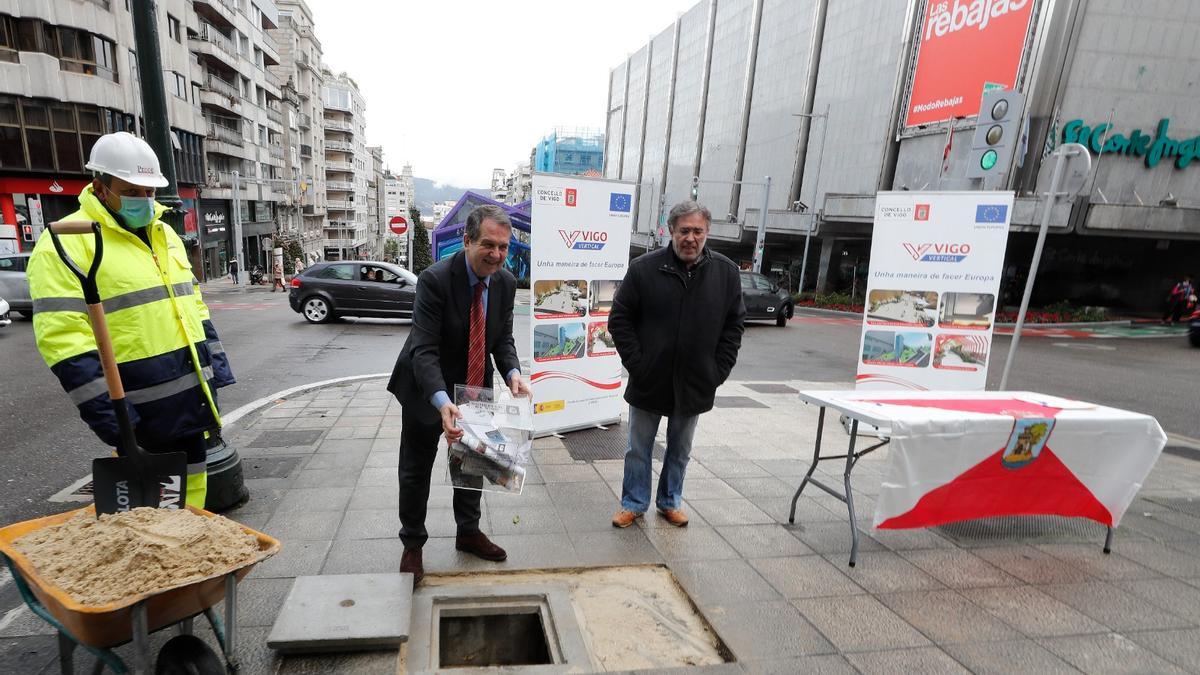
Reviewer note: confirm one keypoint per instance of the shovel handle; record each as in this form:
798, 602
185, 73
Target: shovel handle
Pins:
95, 312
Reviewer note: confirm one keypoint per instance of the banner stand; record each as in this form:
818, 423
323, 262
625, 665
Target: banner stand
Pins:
580, 232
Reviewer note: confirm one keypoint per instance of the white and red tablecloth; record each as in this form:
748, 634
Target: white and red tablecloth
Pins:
963, 455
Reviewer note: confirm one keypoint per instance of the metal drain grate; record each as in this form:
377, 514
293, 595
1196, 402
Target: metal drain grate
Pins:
737, 402
284, 438
590, 445
771, 388
1006, 529
269, 467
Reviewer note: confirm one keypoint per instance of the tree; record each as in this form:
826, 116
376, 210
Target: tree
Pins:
422, 251
391, 249
292, 251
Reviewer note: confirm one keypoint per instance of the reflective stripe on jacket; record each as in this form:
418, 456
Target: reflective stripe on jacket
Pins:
167, 350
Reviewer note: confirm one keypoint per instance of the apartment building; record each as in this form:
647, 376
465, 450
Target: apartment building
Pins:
300, 54
242, 105
376, 223
68, 74
346, 168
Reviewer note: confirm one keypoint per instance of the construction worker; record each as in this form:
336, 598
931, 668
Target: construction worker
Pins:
168, 353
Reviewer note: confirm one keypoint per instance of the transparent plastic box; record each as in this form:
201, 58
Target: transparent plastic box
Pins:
497, 440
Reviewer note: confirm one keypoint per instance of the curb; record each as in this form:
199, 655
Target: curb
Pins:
253, 406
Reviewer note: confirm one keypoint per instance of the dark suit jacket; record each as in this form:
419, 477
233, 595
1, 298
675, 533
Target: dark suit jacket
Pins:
435, 355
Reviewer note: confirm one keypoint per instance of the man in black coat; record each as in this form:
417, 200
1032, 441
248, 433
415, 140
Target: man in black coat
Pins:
463, 318
677, 322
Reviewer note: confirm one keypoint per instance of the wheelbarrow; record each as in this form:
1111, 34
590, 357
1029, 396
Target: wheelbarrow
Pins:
100, 628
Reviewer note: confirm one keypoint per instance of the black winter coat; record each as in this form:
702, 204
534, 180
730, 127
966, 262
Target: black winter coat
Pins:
678, 333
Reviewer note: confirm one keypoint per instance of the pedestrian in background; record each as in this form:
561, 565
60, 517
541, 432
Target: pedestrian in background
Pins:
677, 321
1178, 299
298, 266
277, 274
233, 270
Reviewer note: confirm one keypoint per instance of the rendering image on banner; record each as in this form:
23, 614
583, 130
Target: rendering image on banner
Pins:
1028, 437
557, 298
600, 300
600, 341
558, 342
892, 348
969, 311
967, 353
902, 308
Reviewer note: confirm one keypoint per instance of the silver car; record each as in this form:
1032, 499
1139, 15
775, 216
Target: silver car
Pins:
4, 320
14, 285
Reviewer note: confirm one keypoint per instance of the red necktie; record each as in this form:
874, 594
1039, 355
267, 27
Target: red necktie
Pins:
477, 340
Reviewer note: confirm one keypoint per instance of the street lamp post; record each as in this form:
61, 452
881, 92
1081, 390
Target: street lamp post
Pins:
824, 117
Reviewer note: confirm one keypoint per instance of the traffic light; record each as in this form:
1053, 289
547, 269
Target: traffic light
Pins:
27, 233
996, 133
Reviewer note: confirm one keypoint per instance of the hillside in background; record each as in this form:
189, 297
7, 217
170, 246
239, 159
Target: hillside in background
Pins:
428, 192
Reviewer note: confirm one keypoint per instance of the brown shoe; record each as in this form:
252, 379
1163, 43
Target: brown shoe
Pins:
674, 516
624, 518
410, 562
479, 545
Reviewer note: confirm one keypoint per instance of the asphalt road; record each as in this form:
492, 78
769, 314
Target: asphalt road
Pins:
45, 446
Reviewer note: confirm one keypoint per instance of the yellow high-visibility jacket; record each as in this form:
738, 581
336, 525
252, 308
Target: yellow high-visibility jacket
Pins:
167, 350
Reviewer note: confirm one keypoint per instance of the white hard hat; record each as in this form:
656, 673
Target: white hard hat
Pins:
127, 157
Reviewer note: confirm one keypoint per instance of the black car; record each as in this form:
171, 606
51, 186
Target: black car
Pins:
362, 288
765, 300
1194, 329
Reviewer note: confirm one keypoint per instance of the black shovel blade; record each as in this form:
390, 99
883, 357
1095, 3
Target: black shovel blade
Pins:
119, 484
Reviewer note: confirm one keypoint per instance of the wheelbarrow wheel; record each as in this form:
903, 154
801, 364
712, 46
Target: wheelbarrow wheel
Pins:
188, 655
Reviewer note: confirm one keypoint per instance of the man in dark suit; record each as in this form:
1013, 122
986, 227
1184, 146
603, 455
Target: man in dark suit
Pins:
463, 315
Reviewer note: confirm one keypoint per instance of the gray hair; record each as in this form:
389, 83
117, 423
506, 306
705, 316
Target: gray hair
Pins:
481, 213
686, 208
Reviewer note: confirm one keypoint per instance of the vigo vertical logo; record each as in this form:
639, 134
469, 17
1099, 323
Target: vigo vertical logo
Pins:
572, 198
938, 252
921, 212
584, 240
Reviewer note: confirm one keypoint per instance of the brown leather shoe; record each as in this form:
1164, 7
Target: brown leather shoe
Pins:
624, 518
674, 516
410, 562
479, 545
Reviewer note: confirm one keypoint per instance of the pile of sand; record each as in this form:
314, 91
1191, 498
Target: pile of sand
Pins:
118, 556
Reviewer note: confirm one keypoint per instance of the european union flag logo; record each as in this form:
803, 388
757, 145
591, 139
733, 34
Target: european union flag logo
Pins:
619, 201
991, 213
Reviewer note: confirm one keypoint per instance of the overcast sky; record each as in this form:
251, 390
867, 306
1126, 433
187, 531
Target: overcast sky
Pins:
459, 87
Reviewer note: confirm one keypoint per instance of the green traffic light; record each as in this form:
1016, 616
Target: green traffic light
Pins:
988, 160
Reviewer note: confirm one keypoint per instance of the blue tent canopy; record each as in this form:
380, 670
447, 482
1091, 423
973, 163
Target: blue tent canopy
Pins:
448, 235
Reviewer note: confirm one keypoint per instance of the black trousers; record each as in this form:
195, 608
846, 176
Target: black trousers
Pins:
418, 450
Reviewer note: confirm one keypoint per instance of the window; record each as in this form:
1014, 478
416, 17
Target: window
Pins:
179, 85
761, 283
196, 93
173, 29
339, 272
66, 139
133, 65
8, 39
37, 136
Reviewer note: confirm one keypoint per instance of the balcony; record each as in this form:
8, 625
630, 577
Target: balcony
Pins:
305, 121
339, 205
341, 185
225, 103
277, 151
338, 125
220, 179
314, 210
339, 166
219, 12
211, 43
224, 134
275, 116
340, 146
306, 151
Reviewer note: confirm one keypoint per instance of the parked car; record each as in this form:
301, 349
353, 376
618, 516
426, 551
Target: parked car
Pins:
4, 317
14, 285
365, 288
765, 300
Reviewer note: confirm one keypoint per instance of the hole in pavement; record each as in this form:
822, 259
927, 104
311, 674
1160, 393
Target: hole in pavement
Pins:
475, 640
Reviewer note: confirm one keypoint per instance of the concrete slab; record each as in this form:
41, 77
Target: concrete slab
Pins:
958, 568
1114, 607
1003, 658
615, 547
763, 541
1172, 595
766, 630
723, 582
948, 618
1032, 612
921, 660
694, 542
825, 664
731, 512
339, 613
1108, 653
1180, 647
805, 577
859, 623
886, 572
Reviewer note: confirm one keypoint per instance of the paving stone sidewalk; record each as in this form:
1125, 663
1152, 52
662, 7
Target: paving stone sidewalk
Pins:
1004, 595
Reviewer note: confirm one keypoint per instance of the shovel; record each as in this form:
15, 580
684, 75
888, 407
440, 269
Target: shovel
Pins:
136, 477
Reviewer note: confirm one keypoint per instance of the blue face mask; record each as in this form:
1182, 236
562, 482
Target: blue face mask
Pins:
138, 212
